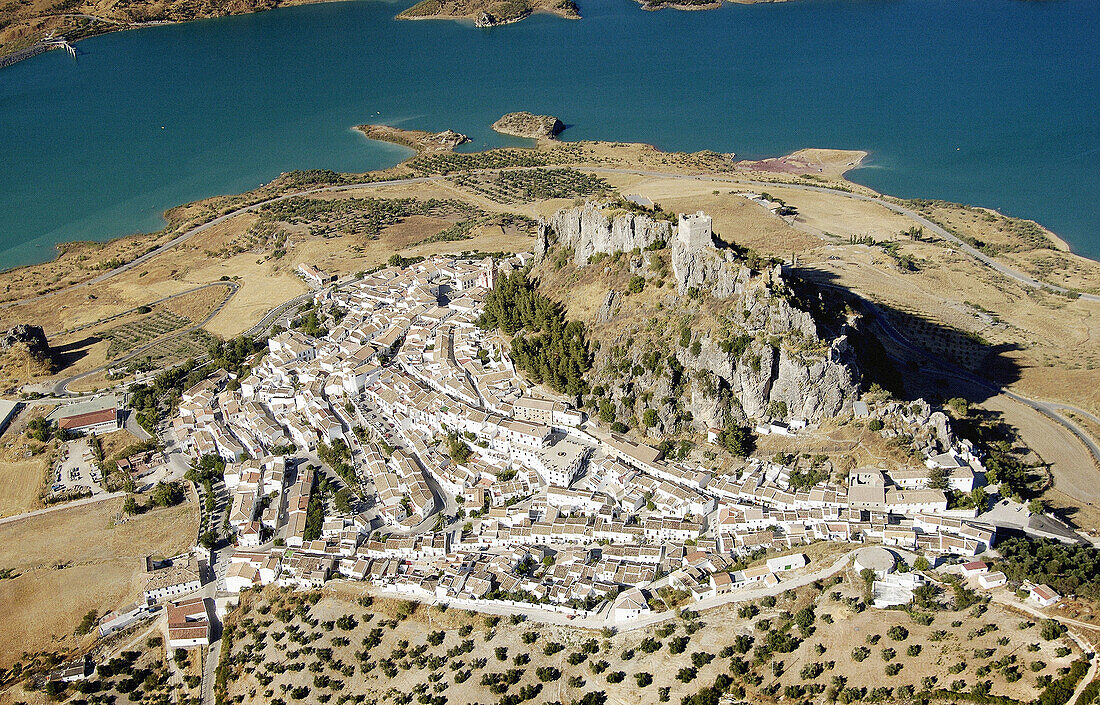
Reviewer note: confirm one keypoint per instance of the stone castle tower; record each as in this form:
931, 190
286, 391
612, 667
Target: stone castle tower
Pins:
695, 230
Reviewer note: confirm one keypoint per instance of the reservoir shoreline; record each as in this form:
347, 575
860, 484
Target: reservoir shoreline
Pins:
93, 153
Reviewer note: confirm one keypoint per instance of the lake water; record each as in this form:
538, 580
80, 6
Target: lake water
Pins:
989, 102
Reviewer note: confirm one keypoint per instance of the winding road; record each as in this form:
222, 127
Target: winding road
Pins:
946, 367
924, 222
61, 388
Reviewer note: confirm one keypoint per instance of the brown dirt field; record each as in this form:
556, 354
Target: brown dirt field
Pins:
92, 383
847, 446
72, 561
843, 217
413, 229
20, 485
83, 351
736, 219
117, 441
826, 163
198, 305
851, 631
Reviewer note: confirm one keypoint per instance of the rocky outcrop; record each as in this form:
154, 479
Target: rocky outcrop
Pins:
772, 376
449, 139
768, 361
589, 229
708, 270
608, 308
28, 343
696, 265
524, 124
30, 338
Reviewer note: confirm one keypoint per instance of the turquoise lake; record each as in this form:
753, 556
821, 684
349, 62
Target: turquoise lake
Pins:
987, 102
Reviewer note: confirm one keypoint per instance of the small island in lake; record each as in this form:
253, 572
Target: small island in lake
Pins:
524, 124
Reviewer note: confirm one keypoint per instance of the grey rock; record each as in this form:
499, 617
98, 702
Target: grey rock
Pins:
588, 230
608, 307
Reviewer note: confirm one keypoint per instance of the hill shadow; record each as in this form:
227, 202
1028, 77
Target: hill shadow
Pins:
65, 356
906, 353
75, 344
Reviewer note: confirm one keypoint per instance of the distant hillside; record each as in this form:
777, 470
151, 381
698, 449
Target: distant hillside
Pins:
487, 13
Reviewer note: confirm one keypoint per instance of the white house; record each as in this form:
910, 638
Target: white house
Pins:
188, 623
171, 578
1042, 595
974, 568
630, 604
782, 563
241, 576
992, 580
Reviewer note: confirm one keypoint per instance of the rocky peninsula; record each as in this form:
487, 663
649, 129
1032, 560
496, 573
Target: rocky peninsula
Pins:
488, 13
419, 140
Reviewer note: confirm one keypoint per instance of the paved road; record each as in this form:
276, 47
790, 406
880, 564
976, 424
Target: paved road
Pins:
1086, 645
946, 367
603, 617
187, 235
60, 388
272, 317
60, 507
901, 210
230, 285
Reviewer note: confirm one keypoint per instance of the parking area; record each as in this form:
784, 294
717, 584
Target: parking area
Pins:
76, 470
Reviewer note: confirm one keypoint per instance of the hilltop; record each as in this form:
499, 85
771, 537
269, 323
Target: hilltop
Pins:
624, 411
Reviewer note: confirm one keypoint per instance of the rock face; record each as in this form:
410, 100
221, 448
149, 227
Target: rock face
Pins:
30, 341
608, 307
713, 271
526, 124
768, 379
32, 338
588, 230
769, 362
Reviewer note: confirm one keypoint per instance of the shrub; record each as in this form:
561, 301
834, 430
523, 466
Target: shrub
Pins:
1051, 629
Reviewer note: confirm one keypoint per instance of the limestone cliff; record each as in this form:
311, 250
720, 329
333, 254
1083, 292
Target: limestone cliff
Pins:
24, 352
590, 229
733, 344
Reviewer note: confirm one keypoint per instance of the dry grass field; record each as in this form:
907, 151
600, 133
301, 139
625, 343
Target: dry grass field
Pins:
20, 485
74, 560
